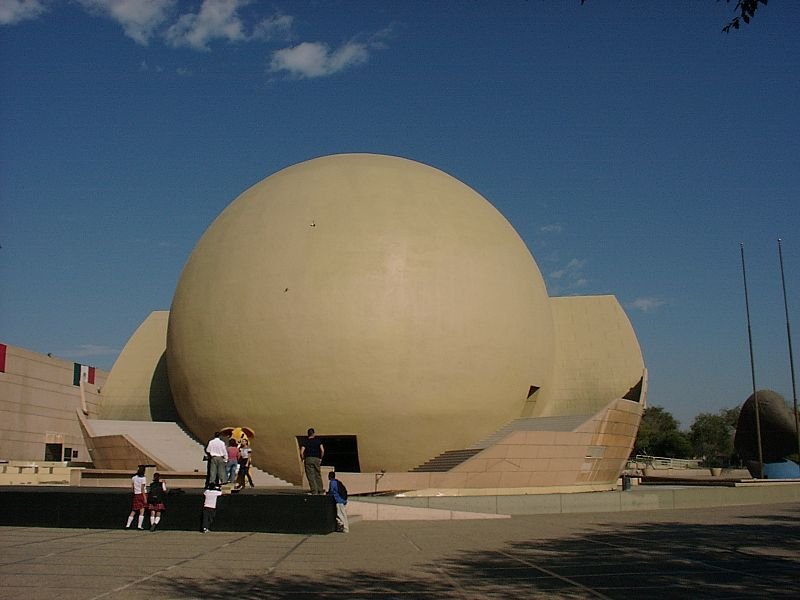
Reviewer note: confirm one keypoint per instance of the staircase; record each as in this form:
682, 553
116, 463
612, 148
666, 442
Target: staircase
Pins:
446, 461
171, 446
450, 459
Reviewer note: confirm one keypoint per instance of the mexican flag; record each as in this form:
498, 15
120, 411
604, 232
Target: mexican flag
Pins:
82, 373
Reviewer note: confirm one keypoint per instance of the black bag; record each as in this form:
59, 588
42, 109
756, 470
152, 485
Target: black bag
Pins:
342, 489
155, 494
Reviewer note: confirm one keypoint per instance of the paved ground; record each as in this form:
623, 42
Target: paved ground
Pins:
730, 552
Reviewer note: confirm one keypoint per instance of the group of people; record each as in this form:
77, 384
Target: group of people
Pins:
150, 498
229, 463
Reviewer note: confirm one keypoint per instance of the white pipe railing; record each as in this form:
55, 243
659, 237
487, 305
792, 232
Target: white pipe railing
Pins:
661, 462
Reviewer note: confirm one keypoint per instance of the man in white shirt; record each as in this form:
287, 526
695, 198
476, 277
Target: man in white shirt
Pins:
217, 457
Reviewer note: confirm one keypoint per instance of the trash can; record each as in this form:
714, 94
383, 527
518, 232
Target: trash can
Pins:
626, 483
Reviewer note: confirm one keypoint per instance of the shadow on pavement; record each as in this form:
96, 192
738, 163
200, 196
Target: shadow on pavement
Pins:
743, 559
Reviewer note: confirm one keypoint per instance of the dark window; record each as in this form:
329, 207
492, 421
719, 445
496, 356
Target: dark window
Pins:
67, 454
52, 452
635, 393
532, 390
341, 453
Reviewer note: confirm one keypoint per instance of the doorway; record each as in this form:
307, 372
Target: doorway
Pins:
341, 452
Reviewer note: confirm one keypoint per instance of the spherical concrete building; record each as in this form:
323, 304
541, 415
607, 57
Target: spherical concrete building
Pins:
363, 295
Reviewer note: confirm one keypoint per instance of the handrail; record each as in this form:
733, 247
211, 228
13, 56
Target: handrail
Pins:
662, 462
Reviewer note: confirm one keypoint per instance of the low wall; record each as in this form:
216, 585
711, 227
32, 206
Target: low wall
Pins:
109, 508
116, 478
34, 473
641, 498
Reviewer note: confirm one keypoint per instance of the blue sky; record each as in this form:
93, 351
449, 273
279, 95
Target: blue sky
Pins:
633, 146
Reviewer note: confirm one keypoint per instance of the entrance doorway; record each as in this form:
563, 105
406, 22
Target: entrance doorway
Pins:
341, 452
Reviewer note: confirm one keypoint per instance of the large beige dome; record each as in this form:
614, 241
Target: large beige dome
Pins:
361, 295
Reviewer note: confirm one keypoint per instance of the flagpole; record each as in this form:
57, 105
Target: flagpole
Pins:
752, 368
791, 355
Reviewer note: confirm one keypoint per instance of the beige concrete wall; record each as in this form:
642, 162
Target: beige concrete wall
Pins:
38, 403
138, 387
590, 458
119, 452
597, 357
593, 455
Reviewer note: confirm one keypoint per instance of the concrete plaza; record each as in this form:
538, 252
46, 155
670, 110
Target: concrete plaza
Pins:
717, 552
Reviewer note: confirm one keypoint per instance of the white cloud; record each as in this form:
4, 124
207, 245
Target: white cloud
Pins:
139, 18
568, 279
554, 228
87, 350
647, 304
144, 67
14, 11
572, 268
315, 59
217, 19
277, 27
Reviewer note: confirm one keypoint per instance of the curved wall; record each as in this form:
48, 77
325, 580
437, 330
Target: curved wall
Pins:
137, 388
597, 356
364, 295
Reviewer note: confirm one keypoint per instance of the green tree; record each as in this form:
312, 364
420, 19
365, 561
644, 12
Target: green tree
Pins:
659, 435
673, 444
731, 416
712, 435
744, 11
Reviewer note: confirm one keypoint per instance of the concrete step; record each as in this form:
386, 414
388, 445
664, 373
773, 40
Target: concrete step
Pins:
446, 461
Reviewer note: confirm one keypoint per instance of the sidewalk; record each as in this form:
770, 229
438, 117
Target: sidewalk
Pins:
721, 552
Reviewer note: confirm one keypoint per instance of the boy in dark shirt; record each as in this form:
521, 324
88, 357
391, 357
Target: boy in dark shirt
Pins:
334, 489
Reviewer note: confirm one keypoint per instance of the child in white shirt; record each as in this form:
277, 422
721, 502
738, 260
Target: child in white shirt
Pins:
211, 493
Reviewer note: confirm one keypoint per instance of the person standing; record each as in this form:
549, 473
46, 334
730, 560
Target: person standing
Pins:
155, 500
138, 486
233, 461
311, 452
245, 459
217, 457
337, 490
210, 496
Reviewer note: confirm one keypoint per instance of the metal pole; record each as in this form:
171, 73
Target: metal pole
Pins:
752, 369
791, 355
